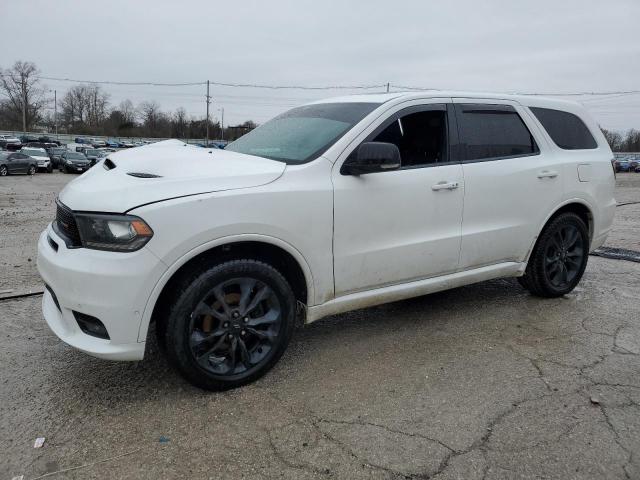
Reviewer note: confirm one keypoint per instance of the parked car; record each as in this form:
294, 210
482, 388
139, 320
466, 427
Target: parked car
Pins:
9, 139
112, 143
126, 144
336, 205
44, 145
55, 154
47, 139
41, 157
16, 162
99, 144
28, 138
92, 155
622, 165
73, 162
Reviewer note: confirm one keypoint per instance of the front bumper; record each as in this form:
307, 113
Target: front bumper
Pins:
111, 286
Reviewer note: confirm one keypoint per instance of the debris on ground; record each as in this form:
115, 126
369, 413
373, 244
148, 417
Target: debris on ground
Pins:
39, 442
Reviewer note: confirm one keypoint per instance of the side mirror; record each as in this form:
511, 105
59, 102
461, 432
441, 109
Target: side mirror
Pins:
372, 157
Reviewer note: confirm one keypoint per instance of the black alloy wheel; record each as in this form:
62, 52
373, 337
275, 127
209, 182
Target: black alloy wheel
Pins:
235, 326
32, 170
228, 324
564, 254
559, 257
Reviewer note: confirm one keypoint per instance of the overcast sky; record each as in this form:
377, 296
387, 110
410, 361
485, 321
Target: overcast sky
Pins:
504, 46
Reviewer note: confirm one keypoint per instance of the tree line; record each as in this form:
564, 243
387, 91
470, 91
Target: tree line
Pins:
26, 105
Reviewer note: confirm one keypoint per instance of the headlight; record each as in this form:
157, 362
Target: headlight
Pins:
69, 162
116, 233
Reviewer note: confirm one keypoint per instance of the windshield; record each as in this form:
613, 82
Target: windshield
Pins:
303, 133
33, 152
75, 156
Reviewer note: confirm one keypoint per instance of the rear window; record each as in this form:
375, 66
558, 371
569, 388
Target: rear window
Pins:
492, 132
565, 129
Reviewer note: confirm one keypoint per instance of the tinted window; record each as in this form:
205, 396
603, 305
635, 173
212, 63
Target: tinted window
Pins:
493, 131
303, 133
421, 137
565, 129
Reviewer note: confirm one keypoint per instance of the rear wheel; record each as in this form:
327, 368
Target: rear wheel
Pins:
559, 257
3, 171
229, 324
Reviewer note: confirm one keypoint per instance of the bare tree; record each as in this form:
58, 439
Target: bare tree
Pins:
97, 102
149, 113
25, 96
179, 123
128, 111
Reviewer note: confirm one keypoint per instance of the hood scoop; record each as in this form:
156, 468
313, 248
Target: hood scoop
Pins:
143, 175
108, 164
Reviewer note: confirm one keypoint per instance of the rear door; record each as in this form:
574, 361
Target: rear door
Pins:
397, 226
513, 180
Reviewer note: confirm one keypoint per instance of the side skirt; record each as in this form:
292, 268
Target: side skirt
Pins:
393, 293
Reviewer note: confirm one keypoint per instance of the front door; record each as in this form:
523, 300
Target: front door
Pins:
402, 225
17, 163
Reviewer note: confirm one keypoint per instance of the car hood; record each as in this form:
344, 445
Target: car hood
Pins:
183, 170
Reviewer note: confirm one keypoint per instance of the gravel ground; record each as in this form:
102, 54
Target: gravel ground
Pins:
483, 381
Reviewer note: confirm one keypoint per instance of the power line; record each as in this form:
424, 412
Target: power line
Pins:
219, 84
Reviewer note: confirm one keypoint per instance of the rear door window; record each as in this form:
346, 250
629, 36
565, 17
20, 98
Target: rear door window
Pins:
565, 129
493, 132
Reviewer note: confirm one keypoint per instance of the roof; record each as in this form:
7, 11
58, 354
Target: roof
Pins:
529, 100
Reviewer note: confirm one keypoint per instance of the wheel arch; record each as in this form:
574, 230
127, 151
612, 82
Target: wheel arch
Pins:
277, 253
575, 205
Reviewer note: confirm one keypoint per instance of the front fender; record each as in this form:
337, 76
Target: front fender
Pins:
175, 266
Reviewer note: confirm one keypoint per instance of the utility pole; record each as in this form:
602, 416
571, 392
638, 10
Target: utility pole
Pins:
387, 87
24, 103
55, 111
208, 102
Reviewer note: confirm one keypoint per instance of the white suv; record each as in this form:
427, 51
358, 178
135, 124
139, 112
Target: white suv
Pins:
332, 206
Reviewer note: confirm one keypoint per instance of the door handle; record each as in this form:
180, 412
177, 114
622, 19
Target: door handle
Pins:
445, 186
547, 174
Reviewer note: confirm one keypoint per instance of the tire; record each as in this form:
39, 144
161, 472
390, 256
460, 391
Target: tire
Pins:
65, 169
227, 325
4, 171
49, 169
32, 170
559, 257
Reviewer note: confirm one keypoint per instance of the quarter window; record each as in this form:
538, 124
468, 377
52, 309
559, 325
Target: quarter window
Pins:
565, 129
491, 132
421, 137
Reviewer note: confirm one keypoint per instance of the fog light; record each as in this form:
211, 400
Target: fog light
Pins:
91, 325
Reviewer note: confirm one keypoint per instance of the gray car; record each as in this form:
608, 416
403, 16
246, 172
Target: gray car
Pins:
93, 155
73, 162
11, 163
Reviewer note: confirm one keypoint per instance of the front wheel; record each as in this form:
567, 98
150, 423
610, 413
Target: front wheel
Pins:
559, 258
229, 324
32, 170
3, 171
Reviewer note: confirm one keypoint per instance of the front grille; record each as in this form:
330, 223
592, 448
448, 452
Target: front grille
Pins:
66, 223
